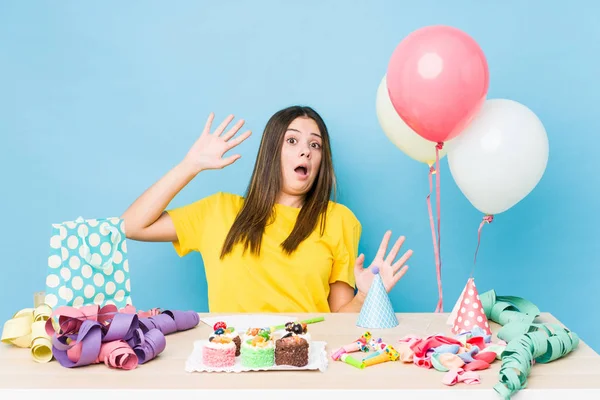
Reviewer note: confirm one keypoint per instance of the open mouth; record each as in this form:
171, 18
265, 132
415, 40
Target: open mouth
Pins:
301, 170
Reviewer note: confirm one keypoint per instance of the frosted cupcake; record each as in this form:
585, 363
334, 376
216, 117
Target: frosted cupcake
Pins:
219, 352
292, 348
221, 329
258, 349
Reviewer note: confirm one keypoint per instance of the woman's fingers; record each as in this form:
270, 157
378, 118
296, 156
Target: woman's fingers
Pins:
400, 274
234, 142
208, 123
223, 125
383, 246
234, 129
394, 252
398, 264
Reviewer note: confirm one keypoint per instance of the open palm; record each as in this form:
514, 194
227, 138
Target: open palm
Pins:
207, 152
391, 272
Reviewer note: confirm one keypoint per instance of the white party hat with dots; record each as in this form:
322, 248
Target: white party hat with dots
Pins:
377, 311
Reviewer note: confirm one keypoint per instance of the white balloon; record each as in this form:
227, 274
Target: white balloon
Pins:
500, 157
400, 134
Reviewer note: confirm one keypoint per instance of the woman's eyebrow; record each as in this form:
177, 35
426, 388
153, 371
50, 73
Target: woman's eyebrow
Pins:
296, 130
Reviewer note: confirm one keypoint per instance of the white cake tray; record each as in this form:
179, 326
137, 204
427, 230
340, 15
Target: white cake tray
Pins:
317, 360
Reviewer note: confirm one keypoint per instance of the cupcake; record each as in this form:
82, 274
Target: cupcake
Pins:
292, 347
258, 349
219, 352
221, 329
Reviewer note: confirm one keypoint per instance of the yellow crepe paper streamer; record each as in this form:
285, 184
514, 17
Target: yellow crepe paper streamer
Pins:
527, 342
27, 329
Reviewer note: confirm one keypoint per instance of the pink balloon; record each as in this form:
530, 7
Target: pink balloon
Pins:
438, 80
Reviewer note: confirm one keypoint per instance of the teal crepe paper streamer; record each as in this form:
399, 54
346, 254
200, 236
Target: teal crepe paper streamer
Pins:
527, 342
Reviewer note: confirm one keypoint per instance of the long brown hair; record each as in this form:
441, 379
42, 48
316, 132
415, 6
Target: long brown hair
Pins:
266, 182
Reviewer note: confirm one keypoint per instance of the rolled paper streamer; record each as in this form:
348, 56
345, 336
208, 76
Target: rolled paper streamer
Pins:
154, 344
118, 354
184, 320
41, 345
83, 335
548, 343
90, 337
27, 329
348, 359
17, 330
163, 322
147, 323
121, 327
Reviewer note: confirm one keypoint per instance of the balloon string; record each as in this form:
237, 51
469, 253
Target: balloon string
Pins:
436, 240
486, 220
433, 237
439, 147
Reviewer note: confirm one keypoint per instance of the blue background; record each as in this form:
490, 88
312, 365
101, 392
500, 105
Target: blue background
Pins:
98, 101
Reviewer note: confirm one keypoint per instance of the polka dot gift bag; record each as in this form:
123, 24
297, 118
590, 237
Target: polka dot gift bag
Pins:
88, 264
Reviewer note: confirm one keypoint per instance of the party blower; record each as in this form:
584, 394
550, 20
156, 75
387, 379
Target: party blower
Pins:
360, 344
306, 321
387, 354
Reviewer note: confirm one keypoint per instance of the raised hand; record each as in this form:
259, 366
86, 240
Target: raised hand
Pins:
208, 151
390, 271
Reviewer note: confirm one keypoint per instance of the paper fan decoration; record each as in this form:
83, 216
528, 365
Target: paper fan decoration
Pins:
470, 312
377, 311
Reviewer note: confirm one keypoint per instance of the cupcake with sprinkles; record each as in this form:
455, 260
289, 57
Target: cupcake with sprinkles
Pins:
292, 348
258, 349
221, 329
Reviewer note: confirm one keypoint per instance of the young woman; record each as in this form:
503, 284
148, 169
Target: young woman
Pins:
285, 246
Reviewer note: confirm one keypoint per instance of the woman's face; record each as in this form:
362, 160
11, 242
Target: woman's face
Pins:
300, 156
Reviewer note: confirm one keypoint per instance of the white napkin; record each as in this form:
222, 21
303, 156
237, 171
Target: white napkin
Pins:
241, 322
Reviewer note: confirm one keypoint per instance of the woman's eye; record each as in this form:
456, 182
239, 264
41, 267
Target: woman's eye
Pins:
316, 145
291, 140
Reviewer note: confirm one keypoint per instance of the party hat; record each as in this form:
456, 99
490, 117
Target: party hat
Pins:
470, 313
377, 311
454, 313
